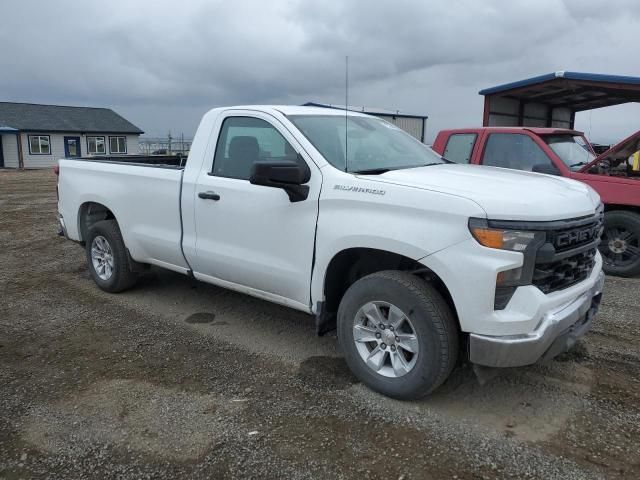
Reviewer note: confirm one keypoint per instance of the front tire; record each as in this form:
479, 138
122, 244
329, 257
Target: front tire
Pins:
620, 245
398, 335
107, 257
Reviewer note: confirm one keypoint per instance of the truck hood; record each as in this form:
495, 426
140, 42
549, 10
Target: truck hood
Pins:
622, 150
504, 194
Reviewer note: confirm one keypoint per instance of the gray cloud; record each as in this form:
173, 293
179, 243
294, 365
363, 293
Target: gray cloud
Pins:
163, 64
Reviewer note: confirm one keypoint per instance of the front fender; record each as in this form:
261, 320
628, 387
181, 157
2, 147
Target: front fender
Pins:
404, 230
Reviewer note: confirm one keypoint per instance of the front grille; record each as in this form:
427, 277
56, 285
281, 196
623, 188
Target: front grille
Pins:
569, 253
563, 252
560, 274
565, 239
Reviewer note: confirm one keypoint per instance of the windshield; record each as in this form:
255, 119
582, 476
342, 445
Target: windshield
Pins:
572, 150
374, 145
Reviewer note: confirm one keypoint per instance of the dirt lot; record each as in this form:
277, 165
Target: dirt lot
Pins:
179, 379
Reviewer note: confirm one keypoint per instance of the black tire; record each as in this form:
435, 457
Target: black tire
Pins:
121, 277
621, 225
431, 318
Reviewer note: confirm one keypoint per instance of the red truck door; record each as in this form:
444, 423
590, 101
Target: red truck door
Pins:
517, 150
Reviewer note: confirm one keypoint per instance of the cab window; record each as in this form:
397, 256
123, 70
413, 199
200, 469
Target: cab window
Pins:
459, 147
244, 141
515, 151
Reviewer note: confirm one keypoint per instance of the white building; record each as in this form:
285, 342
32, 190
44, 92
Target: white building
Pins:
414, 125
35, 136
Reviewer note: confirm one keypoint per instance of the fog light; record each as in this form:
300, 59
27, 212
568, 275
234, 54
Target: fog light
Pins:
509, 277
506, 284
502, 297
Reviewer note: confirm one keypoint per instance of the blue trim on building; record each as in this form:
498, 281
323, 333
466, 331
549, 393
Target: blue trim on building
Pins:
580, 76
67, 153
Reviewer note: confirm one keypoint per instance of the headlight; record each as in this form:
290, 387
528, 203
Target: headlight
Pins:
523, 241
516, 240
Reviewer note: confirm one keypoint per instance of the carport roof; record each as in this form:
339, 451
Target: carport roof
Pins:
574, 90
58, 118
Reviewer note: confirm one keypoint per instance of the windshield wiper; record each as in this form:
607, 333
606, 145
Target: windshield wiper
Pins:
372, 171
579, 164
381, 170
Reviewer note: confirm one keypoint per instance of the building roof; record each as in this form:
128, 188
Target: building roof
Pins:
367, 110
58, 118
574, 90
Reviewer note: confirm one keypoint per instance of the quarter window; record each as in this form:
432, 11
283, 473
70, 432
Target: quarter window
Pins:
516, 151
96, 146
118, 144
244, 141
39, 145
459, 147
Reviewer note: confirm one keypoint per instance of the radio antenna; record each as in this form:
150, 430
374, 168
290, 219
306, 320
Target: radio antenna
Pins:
346, 106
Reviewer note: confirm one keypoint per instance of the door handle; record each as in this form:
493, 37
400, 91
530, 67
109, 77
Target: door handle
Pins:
209, 196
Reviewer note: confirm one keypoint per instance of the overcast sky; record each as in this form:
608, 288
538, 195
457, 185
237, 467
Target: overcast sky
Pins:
163, 63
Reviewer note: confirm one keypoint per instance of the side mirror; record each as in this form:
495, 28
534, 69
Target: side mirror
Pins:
288, 175
548, 168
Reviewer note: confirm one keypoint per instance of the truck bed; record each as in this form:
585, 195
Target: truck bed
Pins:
142, 192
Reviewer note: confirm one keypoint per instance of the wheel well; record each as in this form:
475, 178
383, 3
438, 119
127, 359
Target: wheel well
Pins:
90, 213
627, 208
352, 264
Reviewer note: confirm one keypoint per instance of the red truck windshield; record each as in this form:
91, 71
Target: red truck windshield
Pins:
572, 150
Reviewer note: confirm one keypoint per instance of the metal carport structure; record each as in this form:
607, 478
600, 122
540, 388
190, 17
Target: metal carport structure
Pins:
552, 100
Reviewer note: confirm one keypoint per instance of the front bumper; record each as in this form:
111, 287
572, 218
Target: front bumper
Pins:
557, 332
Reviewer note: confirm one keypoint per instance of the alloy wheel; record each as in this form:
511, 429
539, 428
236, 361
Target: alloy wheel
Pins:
385, 339
102, 257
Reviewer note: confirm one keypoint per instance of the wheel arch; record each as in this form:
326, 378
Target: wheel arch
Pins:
611, 207
89, 213
350, 264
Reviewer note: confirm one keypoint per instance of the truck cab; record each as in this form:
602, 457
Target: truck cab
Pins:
566, 153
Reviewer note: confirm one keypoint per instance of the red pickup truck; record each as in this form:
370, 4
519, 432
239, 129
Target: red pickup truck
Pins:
566, 153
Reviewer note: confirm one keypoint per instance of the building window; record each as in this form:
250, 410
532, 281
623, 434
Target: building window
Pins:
96, 146
39, 145
117, 144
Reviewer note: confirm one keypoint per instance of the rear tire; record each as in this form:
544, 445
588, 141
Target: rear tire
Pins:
620, 246
424, 317
108, 258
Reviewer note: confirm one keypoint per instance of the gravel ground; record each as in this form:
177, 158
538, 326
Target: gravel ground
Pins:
181, 379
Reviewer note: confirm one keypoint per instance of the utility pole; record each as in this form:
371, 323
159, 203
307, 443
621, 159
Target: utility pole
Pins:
169, 143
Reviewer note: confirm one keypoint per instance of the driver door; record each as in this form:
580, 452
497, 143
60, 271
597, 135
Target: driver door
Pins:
251, 237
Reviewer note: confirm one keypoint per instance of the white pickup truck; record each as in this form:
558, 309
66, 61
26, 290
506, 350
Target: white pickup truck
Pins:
417, 261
